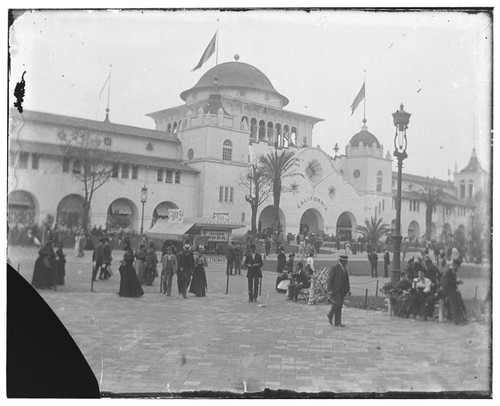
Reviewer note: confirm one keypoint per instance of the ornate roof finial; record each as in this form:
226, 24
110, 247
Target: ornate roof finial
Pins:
236, 57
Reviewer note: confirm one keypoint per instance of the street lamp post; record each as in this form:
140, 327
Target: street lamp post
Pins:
401, 119
144, 198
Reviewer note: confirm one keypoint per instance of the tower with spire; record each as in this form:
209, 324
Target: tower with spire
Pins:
471, 179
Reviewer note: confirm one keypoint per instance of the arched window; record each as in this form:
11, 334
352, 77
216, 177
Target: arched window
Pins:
270, 132
293, 136
174, 128
471, 188
286, 136
227, 150
169, 127
379, 181
462, 189
244, 123
253, 128
262, 130
277, 132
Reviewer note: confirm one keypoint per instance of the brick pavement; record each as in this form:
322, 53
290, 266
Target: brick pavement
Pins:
223, 342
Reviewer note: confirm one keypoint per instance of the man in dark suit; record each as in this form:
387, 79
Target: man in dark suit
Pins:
338, 288
254, 263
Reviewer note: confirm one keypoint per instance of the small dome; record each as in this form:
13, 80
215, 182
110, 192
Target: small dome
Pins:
365, 137
235, 74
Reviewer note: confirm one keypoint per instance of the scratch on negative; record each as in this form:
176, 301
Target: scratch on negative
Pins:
168, 388
102, 369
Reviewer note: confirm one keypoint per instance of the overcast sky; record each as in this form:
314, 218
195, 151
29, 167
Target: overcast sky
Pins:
438, 64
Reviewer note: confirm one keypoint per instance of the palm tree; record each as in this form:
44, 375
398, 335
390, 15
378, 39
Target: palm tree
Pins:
276, 167
373, 230
431, 194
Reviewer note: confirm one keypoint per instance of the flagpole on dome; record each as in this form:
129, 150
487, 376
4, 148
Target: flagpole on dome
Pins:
109, 93
216, 77
364, 99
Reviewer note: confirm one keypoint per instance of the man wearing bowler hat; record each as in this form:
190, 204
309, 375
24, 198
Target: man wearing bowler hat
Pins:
338, 287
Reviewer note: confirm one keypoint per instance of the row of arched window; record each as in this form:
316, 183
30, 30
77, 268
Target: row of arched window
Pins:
281, 136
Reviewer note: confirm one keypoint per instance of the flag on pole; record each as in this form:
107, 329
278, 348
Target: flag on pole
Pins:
105, 83
208, 53
357, 100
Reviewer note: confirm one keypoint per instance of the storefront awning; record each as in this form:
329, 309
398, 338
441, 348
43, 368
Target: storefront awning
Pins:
120, 207
169, 231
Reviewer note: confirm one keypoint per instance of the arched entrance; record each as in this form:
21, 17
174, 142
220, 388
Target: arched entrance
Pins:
22, 208
346, 224
266, 220
311, 222
122, 214
413, 230
433, 231
161, 211
70, 211
446, 234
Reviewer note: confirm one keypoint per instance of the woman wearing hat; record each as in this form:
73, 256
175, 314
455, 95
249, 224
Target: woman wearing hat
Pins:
60, 264
129, 284
453, 299
199, 280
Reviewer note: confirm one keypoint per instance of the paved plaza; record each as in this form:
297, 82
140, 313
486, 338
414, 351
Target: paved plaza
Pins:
224, 343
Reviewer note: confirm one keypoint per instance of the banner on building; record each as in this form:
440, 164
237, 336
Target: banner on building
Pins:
175, 215
221, 216
215, 235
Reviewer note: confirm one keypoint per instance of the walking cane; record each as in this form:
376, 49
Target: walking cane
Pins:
161, 283
92, 279
260, 285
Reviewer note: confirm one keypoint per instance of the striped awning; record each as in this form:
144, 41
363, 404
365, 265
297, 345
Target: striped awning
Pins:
169, 231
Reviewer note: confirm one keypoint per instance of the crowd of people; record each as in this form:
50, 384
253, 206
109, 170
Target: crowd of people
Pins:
422, 286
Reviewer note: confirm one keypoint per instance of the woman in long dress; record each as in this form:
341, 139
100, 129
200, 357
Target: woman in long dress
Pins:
43, 273
140, 262
129, 284
60, 265
199, 280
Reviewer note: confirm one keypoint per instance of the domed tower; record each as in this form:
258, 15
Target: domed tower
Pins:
365, 166
231, 115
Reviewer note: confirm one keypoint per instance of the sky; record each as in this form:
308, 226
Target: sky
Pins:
437, 63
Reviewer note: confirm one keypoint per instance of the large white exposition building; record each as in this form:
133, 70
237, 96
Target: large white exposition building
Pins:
195, 160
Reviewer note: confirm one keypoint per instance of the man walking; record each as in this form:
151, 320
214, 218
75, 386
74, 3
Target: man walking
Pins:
169, 266
338, 287
105, 270
238, 256
98, 259
185, 263
254, 263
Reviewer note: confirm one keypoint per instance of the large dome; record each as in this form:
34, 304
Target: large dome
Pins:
235, 74
365, 137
